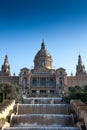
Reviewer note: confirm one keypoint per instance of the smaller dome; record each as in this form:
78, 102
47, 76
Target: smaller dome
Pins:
43, 58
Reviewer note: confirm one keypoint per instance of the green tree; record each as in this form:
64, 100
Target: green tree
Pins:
76, 93
11, 91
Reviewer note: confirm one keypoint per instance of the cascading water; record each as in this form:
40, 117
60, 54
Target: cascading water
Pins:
41, 128
42, 114
41, 100
43, 109
41, 119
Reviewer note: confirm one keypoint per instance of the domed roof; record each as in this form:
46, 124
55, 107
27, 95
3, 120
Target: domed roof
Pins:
42, 57
43, 52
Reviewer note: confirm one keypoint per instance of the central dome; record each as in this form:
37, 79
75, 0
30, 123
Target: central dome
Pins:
43, 58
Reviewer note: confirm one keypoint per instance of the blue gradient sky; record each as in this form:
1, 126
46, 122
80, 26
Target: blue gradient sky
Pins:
61, 23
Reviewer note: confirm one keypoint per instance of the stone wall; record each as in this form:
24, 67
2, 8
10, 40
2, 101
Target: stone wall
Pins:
9, 79
80, 109
6, 107
73, 81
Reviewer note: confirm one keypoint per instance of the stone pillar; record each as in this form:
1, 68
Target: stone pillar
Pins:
23, 85
48, 93
38, 93
28, 83
57, 84
39, 81
65, 79
57, 81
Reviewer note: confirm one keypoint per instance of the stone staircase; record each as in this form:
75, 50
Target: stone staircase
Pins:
42, 114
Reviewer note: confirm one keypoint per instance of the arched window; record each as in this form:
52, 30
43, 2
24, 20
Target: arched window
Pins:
34, 82
42, 82
60, 72
51, 83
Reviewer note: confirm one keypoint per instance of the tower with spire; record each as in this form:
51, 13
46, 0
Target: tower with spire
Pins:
80, 68
5, 70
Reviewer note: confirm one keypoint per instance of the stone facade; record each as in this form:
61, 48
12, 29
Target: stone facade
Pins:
43, 80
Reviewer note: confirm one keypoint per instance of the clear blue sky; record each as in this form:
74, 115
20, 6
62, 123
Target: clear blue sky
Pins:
61, 23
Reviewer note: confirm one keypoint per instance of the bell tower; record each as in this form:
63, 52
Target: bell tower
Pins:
5, 70
80, 68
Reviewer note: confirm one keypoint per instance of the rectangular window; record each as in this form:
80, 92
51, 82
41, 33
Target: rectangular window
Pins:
42, 91
33, 91
52, 92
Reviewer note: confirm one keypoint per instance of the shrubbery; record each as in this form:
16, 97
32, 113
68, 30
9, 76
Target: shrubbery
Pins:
10, 91
76, 93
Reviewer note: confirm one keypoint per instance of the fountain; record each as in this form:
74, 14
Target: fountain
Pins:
42, 128
41, 120
42, 114
41, 100
43, 109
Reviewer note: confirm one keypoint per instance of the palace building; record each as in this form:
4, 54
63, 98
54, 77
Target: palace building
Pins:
43, 80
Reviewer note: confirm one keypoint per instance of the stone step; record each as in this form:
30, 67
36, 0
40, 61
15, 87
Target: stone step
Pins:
42, 128
42, 100
41, 119
42, 109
